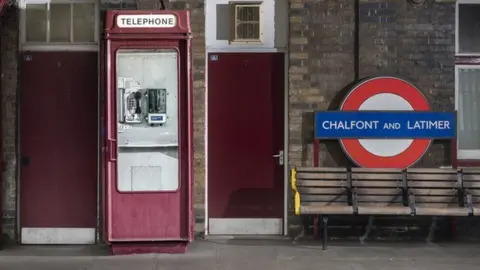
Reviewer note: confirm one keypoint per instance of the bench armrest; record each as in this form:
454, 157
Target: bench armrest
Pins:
296, 194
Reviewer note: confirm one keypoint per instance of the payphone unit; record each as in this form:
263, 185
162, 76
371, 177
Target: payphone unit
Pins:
149, 131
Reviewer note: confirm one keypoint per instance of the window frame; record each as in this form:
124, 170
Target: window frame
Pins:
464, 154
466, 158
232, 39
55, 46
457, 22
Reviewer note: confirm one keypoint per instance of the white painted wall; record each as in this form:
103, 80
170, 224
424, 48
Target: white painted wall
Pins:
274, 24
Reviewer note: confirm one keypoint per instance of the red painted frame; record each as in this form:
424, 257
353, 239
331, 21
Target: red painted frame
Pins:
177, 38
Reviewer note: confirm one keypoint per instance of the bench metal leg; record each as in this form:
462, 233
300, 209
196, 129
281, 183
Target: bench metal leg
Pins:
431, 231
325, 235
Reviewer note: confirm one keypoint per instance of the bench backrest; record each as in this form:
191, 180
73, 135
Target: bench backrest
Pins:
422, 187
331, 186
434, 188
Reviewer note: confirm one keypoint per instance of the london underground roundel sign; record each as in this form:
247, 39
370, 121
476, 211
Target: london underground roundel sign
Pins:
385, 94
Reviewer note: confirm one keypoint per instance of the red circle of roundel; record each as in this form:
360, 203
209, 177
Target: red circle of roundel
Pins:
388, 85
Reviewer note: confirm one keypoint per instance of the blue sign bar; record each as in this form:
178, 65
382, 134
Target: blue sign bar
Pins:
385, 124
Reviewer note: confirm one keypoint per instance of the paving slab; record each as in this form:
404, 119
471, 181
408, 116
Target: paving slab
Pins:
243, 254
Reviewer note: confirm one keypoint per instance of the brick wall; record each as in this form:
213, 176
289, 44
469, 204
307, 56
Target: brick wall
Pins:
9, 81
395, 38
416, 43
321, 65
332, 45
9, 74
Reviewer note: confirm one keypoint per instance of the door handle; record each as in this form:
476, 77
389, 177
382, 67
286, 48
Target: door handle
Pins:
280, 157
25, 161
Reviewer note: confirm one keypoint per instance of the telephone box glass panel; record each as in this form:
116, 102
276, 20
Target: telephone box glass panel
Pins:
147, 119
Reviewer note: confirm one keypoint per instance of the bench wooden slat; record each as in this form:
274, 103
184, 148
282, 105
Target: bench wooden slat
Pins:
324, 198
436, 199
320, 169
431, 184
377, 170
471, 177
471, 184
441, 211
432, 177
433, 192
470, 170
474, 192
323, 204
378, 184
379, 199
383, 210
379, 176
320, 190
321, 176
326, 210
377, 191
430, 170
315, 183
438, 205
475, 200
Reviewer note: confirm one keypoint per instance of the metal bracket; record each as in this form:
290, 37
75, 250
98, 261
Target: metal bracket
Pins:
469, 204
460, 179
349, 179
325, 232
405, 188
460, 189
354, 202
404, 180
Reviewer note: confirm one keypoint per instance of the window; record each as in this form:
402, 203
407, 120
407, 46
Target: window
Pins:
467, 79
468, 106
60, 22
468, 27
147, 85
246, 23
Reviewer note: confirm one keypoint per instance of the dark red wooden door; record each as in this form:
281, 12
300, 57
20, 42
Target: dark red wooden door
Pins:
58, 141
147, 215
245, 131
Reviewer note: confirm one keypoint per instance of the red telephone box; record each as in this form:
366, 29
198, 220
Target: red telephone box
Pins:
149, 151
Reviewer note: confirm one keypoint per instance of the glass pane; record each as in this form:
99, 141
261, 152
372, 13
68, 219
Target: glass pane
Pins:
468, 28
468, 112
147, 116
60, 18
84, 22
247, 22
36, 22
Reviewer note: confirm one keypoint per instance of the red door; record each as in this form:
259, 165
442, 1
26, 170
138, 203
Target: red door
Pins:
245, 137
58, 140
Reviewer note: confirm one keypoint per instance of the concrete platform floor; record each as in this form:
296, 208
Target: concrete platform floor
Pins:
224, 254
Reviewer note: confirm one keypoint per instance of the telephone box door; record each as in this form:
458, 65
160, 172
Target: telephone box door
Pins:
147, 199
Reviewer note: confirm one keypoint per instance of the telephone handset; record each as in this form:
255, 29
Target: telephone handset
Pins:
137, 97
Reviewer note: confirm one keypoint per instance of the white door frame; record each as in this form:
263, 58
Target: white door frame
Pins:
30, 235
258, 226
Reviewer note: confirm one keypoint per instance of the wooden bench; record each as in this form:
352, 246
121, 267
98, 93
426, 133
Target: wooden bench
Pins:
324, 192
